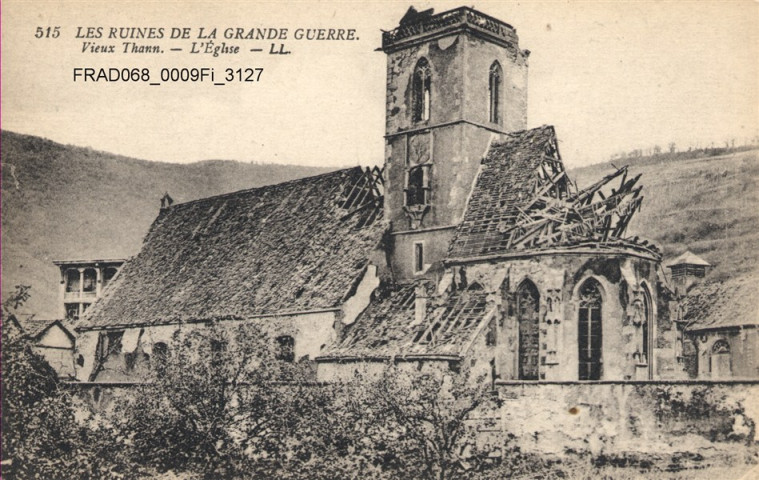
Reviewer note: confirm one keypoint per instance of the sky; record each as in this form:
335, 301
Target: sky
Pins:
610, 76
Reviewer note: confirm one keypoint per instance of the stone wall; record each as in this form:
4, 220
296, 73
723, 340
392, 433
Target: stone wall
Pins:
346, 371
435, 244
618, 417
310, 331
61, 359
454, 153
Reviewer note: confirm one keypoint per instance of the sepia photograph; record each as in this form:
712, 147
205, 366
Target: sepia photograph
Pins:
348, 240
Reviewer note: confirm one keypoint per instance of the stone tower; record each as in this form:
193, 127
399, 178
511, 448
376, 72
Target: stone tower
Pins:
456, 82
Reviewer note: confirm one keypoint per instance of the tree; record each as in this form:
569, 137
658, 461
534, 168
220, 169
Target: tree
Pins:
416, 422
404, 424
30, 391
41, 437
214, 404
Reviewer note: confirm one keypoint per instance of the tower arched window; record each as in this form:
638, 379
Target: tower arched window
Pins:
495, 80
418, 185
422, 82
589, 337
108, 275
528, 301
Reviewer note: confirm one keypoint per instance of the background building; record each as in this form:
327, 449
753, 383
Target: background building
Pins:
82, 282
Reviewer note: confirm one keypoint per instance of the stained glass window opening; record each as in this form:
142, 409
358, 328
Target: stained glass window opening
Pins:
590, 338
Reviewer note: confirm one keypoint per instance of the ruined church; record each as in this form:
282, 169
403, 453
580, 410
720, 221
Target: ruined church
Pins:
470, 246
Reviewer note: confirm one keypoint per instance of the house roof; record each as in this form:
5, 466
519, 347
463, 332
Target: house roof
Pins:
523, 200
728, 304
34, 328
689, 258
388, 326
294, 246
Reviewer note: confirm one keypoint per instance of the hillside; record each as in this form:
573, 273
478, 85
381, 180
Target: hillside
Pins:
707, 205
66, 202
710, 206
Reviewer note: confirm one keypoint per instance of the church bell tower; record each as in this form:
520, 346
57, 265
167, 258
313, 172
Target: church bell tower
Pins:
456, 82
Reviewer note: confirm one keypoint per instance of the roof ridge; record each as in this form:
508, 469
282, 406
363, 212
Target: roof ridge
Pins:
518, 133
518, 136
263, 187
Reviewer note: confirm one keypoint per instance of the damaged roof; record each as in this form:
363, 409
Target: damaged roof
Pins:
726, 304
389, 326
294, 246
505, 183
523, 200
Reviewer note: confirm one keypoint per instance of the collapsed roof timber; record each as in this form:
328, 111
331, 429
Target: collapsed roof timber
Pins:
525, 200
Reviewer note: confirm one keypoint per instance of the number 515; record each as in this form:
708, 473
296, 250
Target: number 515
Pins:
49, 32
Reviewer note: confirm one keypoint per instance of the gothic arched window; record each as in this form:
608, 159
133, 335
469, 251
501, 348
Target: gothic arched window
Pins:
719, 361
421, 90
528, 300
589, 338
495, 79
646, 327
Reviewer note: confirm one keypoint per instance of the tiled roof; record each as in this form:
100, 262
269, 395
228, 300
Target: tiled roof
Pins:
290, 247
689, 258
506, 182
33, 327
714, 305
387, 328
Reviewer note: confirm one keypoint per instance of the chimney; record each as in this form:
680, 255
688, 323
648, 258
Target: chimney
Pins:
166, 201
